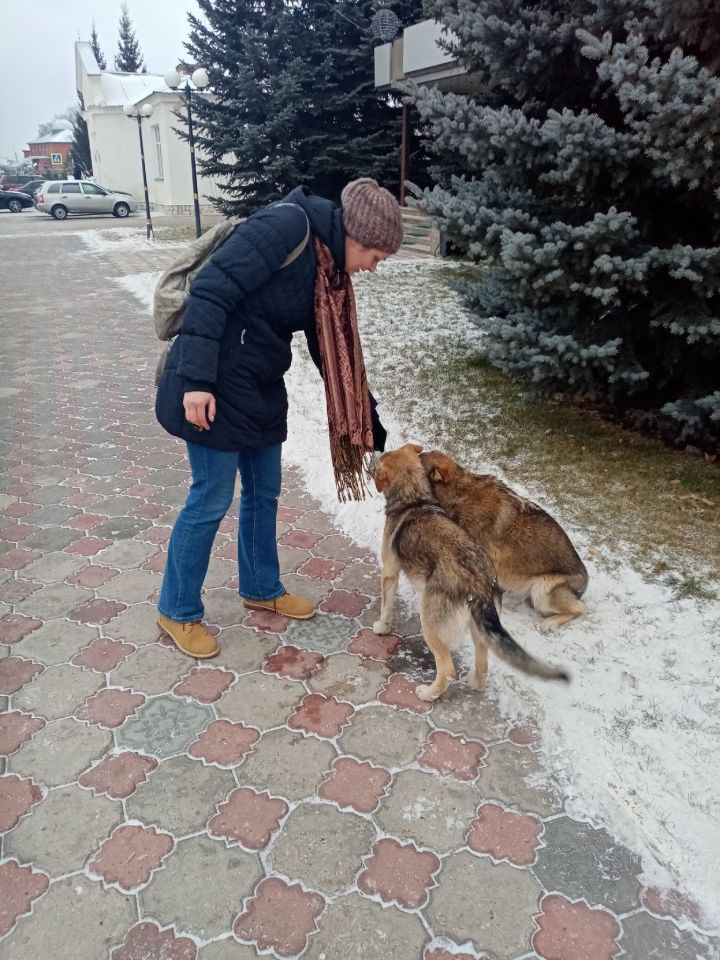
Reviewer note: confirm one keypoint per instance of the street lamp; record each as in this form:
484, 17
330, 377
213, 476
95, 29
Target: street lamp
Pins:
199, 80
133, 112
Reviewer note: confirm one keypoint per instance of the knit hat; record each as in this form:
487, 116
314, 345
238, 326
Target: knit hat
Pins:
371, 215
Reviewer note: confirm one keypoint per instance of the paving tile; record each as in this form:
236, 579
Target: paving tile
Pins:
671, 903
399, 692
87, 546
292, 663
280, 916
524, 735
645, 938
442, 954
453, 756
119, 529
151, 669
499, 921
57, 641
109, 707
180, 796
206, 684
346, 678
224, 607
54, 600
53, 567
248, 818
355, 785
13, 590
286, 764
64, 830
320, 715
58, 691
103, 655
15, 532
355, 928
568, 930
97, 611
164, 726
515, 776
324, 633
505, 835
227, 949
321, 846
131, 586
385, 736
19, 887
260, 700
361, 578
305, 539
52, 539
244, 650
17, 728
78, 916
118, 776
17, 559
224, 744
130, 856
339, 547
399, 873
320, 569
580, 861
137, 624
147, 941
17, 796
266, 621
366, 643
15, 672
15, 627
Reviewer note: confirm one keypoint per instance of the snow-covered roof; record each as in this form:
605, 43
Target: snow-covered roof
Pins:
63, 135
89, 62
118, 89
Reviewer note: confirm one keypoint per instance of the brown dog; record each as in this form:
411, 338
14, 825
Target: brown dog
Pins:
452, 575
530, 551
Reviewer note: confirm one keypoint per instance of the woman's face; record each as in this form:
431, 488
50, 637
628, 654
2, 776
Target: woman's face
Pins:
358, 257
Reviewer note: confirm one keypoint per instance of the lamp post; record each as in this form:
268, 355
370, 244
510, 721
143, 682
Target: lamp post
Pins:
199, 80
133, 112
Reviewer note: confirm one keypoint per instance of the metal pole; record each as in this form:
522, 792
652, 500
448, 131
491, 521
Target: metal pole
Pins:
196, 204
403, 152
148, 220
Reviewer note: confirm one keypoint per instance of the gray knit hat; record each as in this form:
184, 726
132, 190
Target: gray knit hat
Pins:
371, 215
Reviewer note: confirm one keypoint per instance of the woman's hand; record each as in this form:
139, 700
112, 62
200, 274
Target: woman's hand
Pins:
199, 408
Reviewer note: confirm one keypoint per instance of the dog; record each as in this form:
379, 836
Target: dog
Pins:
530, 551
452, 575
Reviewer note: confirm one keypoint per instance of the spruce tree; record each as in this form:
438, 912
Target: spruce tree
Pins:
95, 44
590, 186
80, 151
293, 97
128, 58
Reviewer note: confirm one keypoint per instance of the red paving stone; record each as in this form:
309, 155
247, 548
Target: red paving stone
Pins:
93, 576
248, 818
441, 954
88, 546
266, 621
17, 796
399, 692
302, 539
16, 672
505, 835
120, 775
224, 743
355, 785
17, 559
157, 534
103, 655
155, 564
280, 916
19, 887
147, 941
228, 551
131, 855
110, 707
15, 591
568, 931
293, 663
15, 532
85, 521
345, 603
15, 729
524, 735
15, 626
19, 510
206, 684
321, 715
321, 569
368, 644
671, 903
399, 873
288, 515
97, 611
453, 756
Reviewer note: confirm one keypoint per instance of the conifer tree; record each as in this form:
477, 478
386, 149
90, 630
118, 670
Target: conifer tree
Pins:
590, 187
95, 44
128, 58
293, 97
80, 151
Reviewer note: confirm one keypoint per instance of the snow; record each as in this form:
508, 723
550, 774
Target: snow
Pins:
634, 738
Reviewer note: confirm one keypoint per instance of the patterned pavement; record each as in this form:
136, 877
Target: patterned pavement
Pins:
292, 797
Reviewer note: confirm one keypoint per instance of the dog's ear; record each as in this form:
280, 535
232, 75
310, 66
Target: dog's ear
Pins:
416, 447
382, 477
436, 475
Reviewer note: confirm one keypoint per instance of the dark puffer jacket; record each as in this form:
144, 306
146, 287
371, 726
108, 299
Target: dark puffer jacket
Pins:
240, 315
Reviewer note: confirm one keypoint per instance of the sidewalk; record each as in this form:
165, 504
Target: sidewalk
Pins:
292, 797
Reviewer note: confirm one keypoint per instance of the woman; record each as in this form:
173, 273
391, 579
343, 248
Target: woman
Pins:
223, 390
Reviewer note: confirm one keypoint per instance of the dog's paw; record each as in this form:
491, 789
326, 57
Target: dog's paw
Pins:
381, 628
546, 626
425, 692
477, 683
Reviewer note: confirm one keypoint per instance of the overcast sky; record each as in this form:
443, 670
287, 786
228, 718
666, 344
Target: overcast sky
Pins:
37, 53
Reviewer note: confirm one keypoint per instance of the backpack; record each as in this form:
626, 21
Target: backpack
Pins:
173, 286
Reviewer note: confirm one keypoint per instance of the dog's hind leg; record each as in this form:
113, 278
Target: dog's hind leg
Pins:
388, 588
436, 626
478, 678
559, 604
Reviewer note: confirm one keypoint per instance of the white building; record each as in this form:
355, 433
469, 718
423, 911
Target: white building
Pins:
114, 141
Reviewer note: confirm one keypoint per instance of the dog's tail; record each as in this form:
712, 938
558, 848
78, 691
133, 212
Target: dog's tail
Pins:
485, 616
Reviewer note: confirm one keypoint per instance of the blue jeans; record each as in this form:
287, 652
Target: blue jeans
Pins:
210, 497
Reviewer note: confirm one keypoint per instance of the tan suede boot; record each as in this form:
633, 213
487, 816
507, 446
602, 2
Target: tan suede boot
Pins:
287, 605
194, 639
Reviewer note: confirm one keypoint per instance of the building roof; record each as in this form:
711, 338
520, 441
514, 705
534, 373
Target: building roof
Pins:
55, 136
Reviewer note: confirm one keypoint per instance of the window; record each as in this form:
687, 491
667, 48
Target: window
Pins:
54, 188
158, 153
71, 188
92, 189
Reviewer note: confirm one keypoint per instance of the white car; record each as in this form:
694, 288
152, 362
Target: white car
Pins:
60, 198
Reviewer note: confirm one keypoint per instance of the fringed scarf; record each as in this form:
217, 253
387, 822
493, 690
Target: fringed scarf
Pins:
346, 389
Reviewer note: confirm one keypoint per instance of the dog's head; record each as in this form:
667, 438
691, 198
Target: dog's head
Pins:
439, 467
393, 462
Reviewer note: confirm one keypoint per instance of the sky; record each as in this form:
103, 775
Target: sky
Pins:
37, 54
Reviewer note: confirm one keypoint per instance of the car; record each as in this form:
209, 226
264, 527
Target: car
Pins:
14, 201
30, 187
60, 198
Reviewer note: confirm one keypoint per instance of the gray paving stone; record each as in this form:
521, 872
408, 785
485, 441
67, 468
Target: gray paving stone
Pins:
243, 649
164, 726
353, 928
171, 478
219, 573
313, 590
53, 513
137, 624
54, 600
645, 938
385, 736
132, 586
120, 528
470, 713
228, 949
291, 558
64, 830
125, 555
434, 812
516, 776
261, 700
151, 669
580, 861
406, 622
362, 577
180, 796
53, 566
322, 847
60, 752
338, 547
57, 641
119, 505
58, 691
53, 539
489, 903
324, 633
81, 920
49, 495
349, 678
106, 467
287, 764
201, 887
223, 607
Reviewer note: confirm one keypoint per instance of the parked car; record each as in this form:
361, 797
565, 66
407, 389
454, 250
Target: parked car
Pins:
60, 198
14, 201
30, 187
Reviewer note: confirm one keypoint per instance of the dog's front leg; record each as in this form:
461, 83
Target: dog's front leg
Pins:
388, 588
